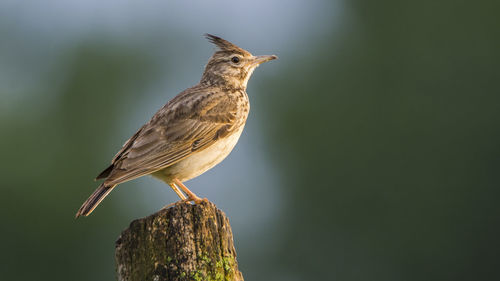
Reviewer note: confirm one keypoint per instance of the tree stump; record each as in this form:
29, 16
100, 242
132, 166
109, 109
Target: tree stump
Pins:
184, 242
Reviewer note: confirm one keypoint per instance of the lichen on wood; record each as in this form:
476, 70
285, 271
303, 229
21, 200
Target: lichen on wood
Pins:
184, 242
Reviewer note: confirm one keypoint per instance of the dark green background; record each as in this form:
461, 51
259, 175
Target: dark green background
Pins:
383, 132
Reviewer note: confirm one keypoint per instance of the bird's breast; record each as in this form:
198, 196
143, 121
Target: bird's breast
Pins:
200, 162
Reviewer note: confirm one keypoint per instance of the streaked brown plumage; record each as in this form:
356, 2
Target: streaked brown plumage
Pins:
190, 134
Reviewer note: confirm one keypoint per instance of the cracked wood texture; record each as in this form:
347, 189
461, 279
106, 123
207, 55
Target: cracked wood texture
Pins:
184, 242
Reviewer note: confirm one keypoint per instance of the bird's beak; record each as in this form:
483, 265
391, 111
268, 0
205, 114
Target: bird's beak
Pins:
260, 59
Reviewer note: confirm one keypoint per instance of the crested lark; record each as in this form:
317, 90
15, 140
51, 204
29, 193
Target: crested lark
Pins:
190, 134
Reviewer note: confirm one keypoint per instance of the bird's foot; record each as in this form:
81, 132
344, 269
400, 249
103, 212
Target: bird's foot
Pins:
195, 200
199, 200
169, 205
183, 201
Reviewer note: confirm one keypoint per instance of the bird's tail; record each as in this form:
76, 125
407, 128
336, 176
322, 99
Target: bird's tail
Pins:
94, 200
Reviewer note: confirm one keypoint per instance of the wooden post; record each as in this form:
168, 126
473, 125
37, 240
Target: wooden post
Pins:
184, 242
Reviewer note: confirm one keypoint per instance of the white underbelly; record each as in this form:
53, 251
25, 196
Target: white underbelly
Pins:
202, 161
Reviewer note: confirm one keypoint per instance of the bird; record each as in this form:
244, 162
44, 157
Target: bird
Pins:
192, 132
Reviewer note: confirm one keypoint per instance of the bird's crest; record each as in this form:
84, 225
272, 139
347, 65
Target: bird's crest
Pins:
224, 45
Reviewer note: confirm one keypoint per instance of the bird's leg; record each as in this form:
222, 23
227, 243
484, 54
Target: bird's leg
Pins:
178, 191
190, 194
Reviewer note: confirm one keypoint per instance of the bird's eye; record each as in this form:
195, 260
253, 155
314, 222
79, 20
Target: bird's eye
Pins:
235, 59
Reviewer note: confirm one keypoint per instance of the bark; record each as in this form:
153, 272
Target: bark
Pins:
184, 242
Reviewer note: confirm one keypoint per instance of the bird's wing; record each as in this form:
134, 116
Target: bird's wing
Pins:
183, 127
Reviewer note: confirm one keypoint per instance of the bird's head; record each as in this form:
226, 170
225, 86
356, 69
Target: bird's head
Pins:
230, 66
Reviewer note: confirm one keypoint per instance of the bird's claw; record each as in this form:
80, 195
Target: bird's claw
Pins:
196, 200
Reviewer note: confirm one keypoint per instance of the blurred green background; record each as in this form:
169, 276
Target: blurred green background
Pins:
371, 151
